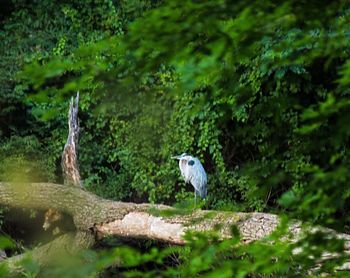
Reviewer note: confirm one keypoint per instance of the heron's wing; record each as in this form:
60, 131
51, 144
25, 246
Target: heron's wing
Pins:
183, 168
198, 176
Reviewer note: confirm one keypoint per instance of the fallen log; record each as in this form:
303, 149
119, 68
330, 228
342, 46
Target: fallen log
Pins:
99, 218
107, 217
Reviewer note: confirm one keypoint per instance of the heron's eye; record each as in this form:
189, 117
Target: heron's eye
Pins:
191, 162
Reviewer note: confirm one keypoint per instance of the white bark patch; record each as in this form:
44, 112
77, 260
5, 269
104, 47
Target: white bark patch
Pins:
144, 225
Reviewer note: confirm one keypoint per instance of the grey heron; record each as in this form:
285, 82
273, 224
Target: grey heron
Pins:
193, 172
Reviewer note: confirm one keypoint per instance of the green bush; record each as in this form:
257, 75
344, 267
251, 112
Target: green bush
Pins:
257, 93
24, 159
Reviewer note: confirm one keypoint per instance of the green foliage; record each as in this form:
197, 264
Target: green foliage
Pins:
248, 89
206, 256
24, 159
258, 91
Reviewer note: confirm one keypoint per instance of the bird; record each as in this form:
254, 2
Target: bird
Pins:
193, 172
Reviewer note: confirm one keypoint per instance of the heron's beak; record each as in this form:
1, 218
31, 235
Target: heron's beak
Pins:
176, 157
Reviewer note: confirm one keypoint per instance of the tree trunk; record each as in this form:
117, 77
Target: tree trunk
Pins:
105, 217
128, 219
99, 217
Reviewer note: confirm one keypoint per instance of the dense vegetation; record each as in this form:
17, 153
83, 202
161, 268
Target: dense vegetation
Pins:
258, 91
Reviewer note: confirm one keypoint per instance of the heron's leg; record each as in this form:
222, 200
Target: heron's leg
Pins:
195, 198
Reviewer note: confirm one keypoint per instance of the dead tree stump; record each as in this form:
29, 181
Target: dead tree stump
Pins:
69, 161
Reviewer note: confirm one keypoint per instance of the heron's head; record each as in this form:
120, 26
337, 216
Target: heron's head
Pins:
181, 156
